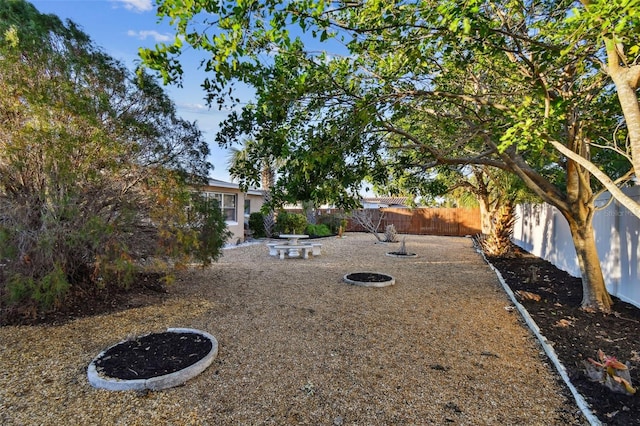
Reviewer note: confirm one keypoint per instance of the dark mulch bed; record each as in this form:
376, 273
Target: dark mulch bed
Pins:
400, 254
368, 277
577, 335
153, 355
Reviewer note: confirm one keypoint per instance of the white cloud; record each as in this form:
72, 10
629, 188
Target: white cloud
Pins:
137, 5
193, 107
142, 35
202, 109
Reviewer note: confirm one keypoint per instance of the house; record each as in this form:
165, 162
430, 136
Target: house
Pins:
235, 204
379, 202
366, 203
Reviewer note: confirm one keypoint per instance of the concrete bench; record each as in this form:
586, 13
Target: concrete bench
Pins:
272, 249
317, 249
293, 250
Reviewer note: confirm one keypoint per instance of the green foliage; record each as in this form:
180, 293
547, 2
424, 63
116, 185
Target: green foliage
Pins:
290, 223
90, 155
485, 95
318, 230
48, 291
7, 250
256, 224
209, 224
421, 85
332, 221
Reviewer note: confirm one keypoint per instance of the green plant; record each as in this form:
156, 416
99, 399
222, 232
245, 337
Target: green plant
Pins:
343, 227
317, 230
610, 372
108, 158
211, 231
47, 291
290, 223
332, 221
256, 224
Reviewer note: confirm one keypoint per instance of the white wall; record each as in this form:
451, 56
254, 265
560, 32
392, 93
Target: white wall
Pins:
541, 230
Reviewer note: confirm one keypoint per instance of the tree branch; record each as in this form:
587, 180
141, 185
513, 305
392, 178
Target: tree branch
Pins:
616, 192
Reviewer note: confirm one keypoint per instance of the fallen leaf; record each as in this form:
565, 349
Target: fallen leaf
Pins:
564, 323
527, 295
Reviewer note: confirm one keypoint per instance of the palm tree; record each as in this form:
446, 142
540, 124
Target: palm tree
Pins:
497, 193
240, 165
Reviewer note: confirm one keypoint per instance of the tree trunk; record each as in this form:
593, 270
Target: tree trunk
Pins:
626, 80
485, 215
577, 206
631, 111
269, 219
595, 296
309, 211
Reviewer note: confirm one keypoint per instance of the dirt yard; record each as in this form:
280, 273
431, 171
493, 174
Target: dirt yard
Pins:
297, 345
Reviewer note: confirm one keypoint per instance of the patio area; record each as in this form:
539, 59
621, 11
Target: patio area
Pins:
298, 345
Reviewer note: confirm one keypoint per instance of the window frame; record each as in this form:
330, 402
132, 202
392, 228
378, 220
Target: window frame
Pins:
227, 202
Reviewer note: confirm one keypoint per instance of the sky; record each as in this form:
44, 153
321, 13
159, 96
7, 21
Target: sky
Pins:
120, 28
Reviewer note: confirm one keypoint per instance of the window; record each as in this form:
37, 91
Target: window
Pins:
247, 207
226, 202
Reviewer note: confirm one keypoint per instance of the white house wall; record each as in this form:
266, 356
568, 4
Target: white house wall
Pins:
236, 227
541, 230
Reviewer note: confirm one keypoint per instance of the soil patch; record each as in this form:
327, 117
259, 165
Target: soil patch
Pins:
368, 277
577, 335
401, 254
153, 355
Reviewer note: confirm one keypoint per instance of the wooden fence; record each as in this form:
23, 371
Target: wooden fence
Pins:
425, 221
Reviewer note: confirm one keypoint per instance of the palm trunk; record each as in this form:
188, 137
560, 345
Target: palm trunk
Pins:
269, 219
485, 214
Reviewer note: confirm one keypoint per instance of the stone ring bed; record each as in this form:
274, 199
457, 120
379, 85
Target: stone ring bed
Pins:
401, 255
369, 279
153, 361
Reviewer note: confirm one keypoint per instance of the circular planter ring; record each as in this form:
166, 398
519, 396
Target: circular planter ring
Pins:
402, 256
369, 279
99, 380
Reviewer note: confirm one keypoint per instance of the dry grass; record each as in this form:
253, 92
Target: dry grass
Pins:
299, 346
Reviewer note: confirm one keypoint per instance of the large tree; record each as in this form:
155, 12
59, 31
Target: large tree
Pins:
486, 83
89, 154
615, 28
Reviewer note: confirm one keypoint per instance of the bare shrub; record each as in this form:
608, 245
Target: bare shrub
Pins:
365, 218
390, 234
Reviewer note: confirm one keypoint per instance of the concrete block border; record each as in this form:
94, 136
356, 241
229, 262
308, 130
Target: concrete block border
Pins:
548, 349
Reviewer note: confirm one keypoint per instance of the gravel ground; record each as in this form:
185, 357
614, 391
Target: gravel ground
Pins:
300, 346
